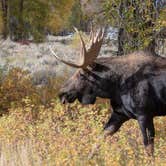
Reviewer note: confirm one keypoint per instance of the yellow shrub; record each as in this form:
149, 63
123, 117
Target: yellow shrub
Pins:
17, 86
14, 87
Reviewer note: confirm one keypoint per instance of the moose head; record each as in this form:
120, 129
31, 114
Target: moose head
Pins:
81, 86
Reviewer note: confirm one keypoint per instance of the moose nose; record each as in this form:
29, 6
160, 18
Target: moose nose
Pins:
63, 100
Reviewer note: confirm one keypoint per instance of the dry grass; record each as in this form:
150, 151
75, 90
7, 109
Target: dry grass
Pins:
35, 130
66, 135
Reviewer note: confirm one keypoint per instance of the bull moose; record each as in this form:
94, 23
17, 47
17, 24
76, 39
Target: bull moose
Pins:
134, 83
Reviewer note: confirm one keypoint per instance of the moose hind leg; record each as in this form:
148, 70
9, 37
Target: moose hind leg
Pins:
148, 133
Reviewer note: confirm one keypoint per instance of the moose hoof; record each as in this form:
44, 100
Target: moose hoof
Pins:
150, 150
108, 133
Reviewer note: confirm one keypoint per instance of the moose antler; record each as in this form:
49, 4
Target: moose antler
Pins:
87, 56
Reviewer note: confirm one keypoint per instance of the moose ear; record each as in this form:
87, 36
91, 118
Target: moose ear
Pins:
87, 99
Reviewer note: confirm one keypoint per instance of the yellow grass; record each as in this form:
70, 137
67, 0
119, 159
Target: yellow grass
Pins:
36, 130
67, 135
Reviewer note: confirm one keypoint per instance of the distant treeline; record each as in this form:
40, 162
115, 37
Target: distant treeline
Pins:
139, 22
24, 19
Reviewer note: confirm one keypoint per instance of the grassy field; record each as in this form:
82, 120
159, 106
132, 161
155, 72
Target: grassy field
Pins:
67, 135
36, 130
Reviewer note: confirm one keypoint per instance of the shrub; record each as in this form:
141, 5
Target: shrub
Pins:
17, 85
14, 87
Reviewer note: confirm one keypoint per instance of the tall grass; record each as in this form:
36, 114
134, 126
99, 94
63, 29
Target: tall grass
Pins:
66, 135
36, 133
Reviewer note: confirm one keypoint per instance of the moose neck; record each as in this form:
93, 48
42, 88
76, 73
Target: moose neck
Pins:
103, 80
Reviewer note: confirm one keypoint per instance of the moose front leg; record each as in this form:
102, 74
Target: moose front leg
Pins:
148, 133
114, 123
112, 126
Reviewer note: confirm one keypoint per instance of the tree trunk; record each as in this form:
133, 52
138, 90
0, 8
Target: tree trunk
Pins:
153, 16
120, 42
4, 4
121, 32
151, 47
21, 21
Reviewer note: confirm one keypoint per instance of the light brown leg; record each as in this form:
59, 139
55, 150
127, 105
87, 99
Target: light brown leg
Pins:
149, 149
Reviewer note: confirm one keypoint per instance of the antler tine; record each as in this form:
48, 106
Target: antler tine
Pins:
103, 32
92, 34
82, 41
97, 35
100, 34
83, 50
87, 56
63, 61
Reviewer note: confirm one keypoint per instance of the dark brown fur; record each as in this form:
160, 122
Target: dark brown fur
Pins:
135, 84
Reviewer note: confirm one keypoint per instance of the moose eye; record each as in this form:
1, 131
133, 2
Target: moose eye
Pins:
61, 95
82, 77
